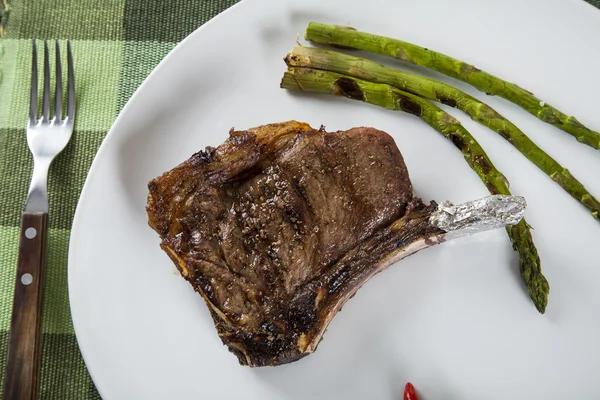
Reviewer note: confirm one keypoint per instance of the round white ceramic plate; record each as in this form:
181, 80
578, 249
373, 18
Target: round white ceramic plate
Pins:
454, 319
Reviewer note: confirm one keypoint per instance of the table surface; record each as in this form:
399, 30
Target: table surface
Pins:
116, 44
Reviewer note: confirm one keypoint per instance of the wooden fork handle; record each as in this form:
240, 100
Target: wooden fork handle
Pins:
25, 343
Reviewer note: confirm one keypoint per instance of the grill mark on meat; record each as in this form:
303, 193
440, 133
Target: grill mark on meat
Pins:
347, 182
301, 191
302, 313
294, 220
338, 278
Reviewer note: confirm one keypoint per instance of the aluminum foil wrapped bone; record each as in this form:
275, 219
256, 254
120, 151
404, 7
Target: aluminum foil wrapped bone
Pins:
479, 215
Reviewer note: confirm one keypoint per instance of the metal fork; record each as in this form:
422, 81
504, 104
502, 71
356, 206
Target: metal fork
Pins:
46, 138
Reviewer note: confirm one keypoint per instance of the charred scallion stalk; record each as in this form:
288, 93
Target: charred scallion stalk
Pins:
351, 38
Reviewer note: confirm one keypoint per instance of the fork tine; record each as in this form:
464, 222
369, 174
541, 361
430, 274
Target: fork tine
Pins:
34, 85
46, 94
58, 94
70, 84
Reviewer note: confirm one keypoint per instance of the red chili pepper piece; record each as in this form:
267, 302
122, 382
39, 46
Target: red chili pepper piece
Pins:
409, 392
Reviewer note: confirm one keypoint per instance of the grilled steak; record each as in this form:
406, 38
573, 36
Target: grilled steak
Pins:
280, 225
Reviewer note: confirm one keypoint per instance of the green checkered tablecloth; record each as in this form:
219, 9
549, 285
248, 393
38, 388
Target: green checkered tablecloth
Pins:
116, 44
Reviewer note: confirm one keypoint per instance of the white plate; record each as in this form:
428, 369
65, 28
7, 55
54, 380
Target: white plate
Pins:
453, 319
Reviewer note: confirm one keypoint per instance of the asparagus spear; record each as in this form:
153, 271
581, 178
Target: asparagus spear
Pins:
319, 81
351, 38
437, 91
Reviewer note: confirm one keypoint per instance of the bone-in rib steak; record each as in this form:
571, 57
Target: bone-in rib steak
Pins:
280, 225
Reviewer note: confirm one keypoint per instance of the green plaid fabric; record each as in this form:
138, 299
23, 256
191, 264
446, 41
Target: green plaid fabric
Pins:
116, 43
